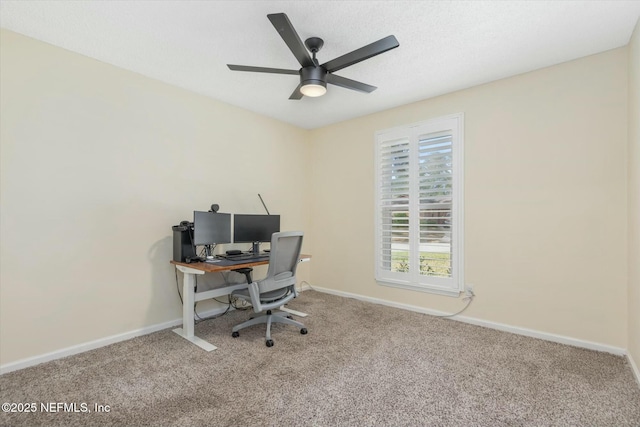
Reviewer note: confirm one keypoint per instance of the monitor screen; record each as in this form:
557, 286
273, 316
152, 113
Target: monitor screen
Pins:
210, 228
254, 228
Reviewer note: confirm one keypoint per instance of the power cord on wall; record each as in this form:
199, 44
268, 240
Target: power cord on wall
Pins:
307, 283
469, 298
178, 287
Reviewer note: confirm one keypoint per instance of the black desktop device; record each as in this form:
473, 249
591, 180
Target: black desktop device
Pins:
254, 229
182, 238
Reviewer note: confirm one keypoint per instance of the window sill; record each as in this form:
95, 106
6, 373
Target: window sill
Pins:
421, 288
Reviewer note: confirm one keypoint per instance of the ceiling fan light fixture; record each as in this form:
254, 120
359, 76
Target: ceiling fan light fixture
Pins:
313, 81
314, 89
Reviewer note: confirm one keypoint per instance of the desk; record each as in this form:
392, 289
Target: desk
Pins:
190, 296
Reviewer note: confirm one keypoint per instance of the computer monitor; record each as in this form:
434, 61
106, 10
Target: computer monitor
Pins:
210, 228
254, 228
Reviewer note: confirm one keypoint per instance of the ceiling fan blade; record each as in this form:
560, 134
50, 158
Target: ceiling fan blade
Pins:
291, 38
349, 84
366, 52
296, 94
262, 69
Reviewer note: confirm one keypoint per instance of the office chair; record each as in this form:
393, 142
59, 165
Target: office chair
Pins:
277, 288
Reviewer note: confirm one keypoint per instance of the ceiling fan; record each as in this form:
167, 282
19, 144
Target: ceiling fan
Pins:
313, 76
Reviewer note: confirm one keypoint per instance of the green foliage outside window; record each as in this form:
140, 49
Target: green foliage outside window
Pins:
431, 263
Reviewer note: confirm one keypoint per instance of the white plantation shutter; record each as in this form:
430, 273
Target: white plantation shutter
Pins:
419, 206
394, 201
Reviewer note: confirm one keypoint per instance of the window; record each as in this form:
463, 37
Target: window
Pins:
419, 217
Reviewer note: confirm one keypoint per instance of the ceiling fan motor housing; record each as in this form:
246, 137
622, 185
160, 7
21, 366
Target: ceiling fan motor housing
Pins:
313, 76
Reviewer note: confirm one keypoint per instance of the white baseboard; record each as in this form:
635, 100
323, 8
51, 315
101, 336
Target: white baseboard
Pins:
92, 345
80, 348
487, 324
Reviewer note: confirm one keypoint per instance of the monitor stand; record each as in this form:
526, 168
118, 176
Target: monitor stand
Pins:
256, 248
208, 251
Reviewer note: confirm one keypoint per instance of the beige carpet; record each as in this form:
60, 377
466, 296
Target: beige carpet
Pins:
360, 365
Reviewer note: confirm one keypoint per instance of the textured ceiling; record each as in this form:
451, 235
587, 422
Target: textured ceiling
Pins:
444, 45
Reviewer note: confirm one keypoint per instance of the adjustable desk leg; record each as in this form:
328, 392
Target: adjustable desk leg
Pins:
188, 300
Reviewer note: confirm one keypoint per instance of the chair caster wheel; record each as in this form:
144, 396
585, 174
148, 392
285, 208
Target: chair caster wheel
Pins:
235, 334
269, 343
303, 331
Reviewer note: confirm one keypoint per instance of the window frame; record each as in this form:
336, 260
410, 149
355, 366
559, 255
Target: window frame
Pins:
413, 280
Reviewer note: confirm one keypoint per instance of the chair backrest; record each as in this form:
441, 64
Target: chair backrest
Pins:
284, 257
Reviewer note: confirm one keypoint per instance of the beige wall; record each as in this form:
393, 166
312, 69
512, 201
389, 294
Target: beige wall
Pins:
97, 164
634, 196
545, 213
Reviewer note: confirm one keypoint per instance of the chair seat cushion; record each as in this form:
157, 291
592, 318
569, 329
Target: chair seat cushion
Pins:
265, 298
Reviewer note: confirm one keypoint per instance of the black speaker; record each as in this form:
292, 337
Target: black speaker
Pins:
182, 238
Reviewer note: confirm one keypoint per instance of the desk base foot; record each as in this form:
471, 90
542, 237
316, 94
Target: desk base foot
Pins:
294, 312
197, 341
